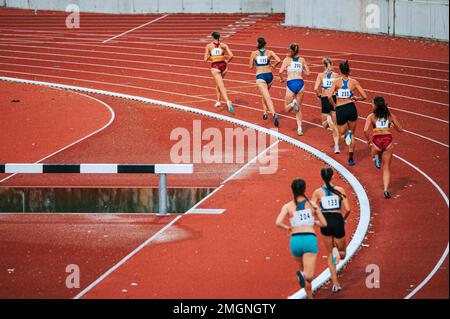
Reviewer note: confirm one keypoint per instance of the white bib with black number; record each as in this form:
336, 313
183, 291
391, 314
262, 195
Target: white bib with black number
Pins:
296, 67
382, 123
330, 202
262, 60
327, 83
216, 52
344, 93
302, 218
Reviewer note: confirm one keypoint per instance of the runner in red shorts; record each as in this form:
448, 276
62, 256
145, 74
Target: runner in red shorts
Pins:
382, 146
215, 53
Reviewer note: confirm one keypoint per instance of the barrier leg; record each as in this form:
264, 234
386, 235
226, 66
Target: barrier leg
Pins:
162, 194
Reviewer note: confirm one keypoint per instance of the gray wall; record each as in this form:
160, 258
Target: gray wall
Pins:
416, 18
156, 6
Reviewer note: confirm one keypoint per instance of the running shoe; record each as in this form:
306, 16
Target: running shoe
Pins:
230, 107
387, 195
276, 122
351, 162
301, 279
348, 138
337, 150
299, 132
217, 104
295, 106
336, 288
265, 116
377, 160
335, 254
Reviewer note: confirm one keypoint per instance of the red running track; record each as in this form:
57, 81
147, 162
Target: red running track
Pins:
417, 215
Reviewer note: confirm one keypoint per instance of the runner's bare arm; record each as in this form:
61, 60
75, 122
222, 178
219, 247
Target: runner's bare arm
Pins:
282, 70
207, 56
321, 222
252, 59
229, 53
398, 126
281, 217
277, 59
361, 91
317, 86
306, 67
345, 201
367, 128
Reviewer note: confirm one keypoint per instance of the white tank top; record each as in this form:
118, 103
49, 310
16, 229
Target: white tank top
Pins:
382, 123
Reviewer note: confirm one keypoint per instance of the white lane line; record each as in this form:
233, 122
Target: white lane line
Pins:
173, 82
175, 58
430, 275
138, 27
178, 40
113, 116
307, 81
156, 235
363, 200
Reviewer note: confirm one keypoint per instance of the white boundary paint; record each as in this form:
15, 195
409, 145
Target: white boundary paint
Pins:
363, 200
138, 27
325, 274
113, 116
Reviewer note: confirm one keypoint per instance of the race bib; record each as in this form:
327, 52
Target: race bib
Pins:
344, 93
296, 67
382, 123
216, 52
330, 202
262, 60
302, 218
327, 83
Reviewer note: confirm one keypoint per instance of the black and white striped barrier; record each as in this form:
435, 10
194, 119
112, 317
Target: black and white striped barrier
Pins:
161, 169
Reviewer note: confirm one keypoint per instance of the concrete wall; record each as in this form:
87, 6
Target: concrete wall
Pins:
416, 18
155, 6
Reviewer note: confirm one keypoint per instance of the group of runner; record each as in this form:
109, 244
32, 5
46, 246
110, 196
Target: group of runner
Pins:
336, 92
328, 207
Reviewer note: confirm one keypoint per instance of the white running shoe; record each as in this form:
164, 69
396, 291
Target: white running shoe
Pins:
299, 132
218, 104
336, 288
337, 150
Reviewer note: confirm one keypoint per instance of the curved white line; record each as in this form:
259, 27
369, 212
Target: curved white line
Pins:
113, 116
364, 219
171, 82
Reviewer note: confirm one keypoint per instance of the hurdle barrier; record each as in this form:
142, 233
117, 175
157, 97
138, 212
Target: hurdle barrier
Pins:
161, 169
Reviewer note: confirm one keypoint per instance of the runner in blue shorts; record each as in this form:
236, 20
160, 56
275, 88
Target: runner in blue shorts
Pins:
304, 247
264, 76
295, 65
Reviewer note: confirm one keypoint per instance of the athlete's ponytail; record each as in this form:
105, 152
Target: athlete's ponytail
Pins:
295, 48
298, 187
261, 43
345, 68
215, 35
327, 175
381, 108
328, 63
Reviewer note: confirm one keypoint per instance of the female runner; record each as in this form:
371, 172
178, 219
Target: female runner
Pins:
294, 65
382, 147
215, 53
303, 242
264, 76
323, 84
346, 113
331, 198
